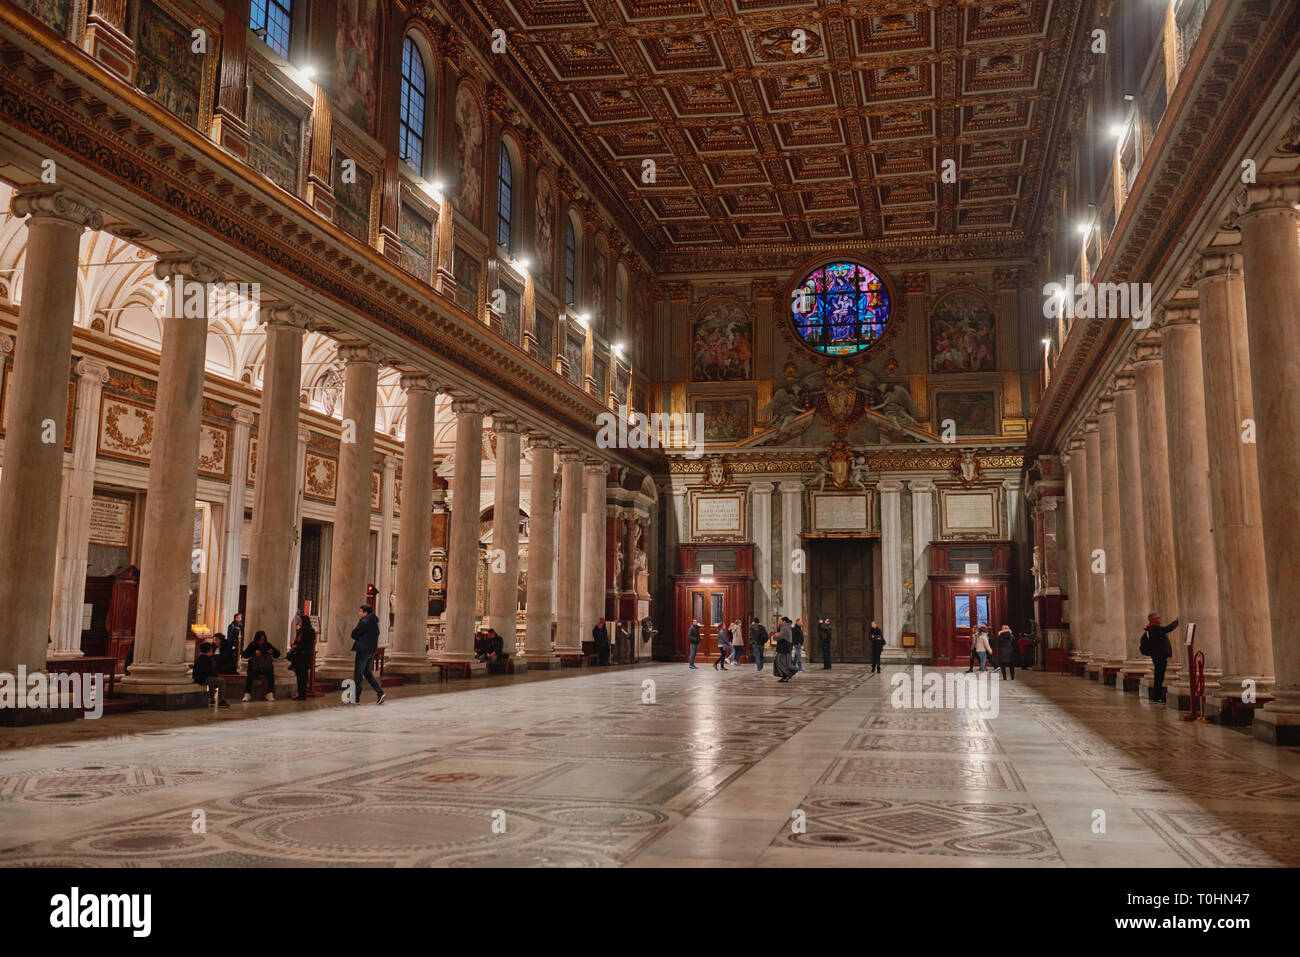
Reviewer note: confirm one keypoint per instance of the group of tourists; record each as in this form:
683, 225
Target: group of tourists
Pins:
786, 639
981, 649
218, 661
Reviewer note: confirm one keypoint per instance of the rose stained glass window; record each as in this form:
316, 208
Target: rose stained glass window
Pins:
840, 308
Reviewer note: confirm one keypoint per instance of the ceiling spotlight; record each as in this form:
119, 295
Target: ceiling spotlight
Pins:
1047, 342
1117, 129
1085, 228
522, 264
1128, 97
260, 32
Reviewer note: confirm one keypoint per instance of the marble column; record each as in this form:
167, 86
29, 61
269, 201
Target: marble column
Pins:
594, 534
295, 569
1018, 533
274, 534
350, 547
78, 491
793, 582
37, 410
568, 605
1189, 486
1081, 597
408, 652
503, 584
762, 495
891, 550
232, 543
383, 577
1130, 476
1234, 476
1098, 631
1157, 507
922, 534
1270, 215
167, 547
541, 553
462, 541
1117, 624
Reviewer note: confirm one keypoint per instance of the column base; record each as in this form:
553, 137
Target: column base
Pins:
540, 662
1278, 728
335, 668
412, 667
1092, 670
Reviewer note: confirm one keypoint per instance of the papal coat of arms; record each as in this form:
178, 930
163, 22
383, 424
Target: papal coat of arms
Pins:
716, 472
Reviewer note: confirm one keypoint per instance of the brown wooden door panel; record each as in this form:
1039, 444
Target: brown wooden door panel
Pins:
841, 590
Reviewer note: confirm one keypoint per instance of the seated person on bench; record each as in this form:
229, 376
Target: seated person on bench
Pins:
493, 648
205, 674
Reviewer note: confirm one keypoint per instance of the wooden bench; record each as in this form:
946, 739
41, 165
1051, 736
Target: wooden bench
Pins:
1110, 674
506, 667
1235, 713
449, 669
572, 659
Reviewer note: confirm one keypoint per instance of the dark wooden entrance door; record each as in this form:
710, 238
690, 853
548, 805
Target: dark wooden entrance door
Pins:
841, 589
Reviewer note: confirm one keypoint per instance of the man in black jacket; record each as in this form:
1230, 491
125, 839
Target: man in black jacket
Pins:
365, 642
757, 639
600, 637
1155, 642
235, 633
877, 637
797, 638
824, 629
205, 674
693, 637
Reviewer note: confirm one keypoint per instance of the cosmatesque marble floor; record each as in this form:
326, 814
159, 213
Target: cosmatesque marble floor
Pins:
721, 769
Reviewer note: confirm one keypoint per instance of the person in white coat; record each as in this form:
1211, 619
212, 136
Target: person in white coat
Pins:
737, 640
980, 643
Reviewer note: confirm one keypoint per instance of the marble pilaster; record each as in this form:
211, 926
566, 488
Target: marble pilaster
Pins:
1096, 550
78, 492
793, 582
761, 493
891, 550
232, 543
594, 533
1076, 490
922, 492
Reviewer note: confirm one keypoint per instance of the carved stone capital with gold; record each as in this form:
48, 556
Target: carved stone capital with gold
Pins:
53, 202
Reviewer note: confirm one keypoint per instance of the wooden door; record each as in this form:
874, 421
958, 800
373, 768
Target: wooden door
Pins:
970, 609
841, 589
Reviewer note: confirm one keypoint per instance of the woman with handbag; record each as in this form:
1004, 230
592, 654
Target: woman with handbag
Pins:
724, 647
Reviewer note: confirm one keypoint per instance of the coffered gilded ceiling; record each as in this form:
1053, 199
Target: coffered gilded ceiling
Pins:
764, 139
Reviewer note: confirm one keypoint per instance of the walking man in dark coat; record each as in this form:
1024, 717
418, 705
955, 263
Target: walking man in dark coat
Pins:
1155, 642
757, 639
693, 636
877, 637
824, 629
365, 643
600, 637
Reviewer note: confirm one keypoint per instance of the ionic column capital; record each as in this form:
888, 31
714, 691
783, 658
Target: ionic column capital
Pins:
1179, 315
6, 343
889, 486
1076, 445
304, 435
417, 382
921, 486
358, 352
1105, 403
51, 202
1089, 425
89, 369
595, 467
286, 315
1217, 265
790, 486
242, 415
506, 425
1125, 380
1255, 198
540, 440
1146, 352
466, 405
188, 267
570, 455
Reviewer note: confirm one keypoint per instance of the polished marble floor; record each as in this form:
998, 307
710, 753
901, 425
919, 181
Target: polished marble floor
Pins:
581, 769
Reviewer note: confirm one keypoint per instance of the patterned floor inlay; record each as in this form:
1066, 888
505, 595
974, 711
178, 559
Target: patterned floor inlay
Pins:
1242, 840
581, 770
1014, 832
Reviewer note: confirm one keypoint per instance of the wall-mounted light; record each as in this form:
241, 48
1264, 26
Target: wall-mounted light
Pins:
522, 264
584, 319
1085, 228
1117, 129
308, 72
618, 347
